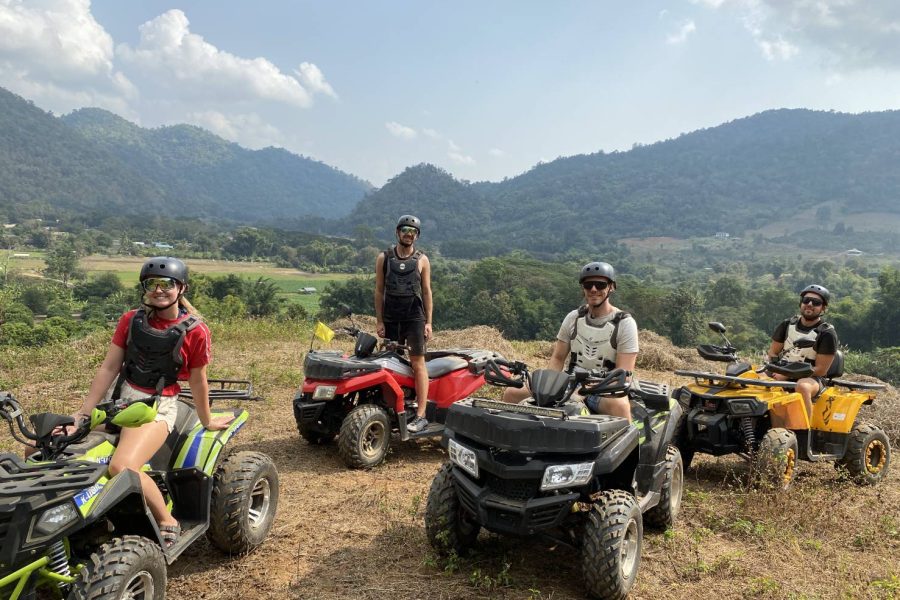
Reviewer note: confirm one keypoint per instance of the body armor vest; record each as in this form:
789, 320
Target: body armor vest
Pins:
790, 352
595, 347
401, 275
153, 356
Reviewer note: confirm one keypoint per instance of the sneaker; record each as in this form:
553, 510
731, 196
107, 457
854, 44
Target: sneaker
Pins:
417, 424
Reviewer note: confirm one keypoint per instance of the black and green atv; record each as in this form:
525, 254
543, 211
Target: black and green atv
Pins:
70, 529
549, 468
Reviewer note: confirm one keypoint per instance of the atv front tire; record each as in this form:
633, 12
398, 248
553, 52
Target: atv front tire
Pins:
449, 527
126, 567
365, 437
868, 454
244, 501
611, 548
776, 459
664, 514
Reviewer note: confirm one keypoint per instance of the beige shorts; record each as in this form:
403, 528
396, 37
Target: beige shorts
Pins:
166, 409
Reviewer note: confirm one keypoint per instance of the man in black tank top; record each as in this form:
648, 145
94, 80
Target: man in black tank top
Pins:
403, 304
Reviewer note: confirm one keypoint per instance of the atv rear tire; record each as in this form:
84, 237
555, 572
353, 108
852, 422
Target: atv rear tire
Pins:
664, 514
365, 437
126, 567
450, 528
611, 548
868, 454
244, 501
775, 460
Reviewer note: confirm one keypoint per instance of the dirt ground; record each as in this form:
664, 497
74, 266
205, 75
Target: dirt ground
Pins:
359, 534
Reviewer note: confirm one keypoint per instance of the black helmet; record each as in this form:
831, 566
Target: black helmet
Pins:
409, 221
598, 269
165, 266
817, 289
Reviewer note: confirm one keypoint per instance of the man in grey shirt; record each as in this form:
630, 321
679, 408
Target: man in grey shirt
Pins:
597, 336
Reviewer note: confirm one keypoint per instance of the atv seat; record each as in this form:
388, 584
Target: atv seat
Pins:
441, 366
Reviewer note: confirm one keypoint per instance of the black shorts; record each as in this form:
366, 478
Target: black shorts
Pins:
408, 333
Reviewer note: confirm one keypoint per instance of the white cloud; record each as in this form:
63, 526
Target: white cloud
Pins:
401, 131
312, 78
56, 53
497, 152
248, 130
855, 34
685, 29
456, 155
432, 134
191, 67
777, 48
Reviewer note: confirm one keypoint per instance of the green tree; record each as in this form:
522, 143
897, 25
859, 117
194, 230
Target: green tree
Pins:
686, 322
62, 263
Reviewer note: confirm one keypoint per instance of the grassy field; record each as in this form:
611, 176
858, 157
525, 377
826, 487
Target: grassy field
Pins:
345, 534
126, 268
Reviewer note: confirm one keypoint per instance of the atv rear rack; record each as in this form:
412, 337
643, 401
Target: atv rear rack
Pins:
18, 478
226, 389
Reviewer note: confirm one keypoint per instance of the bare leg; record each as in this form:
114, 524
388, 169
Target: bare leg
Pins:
617, 407
421, 375
515, 395
136, 446
807, 388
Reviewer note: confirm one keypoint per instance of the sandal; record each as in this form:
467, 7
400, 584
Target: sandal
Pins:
170, 534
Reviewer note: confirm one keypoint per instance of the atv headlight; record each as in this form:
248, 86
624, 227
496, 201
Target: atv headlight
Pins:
740, 407
463, 457
53, 520
560, 476
324, 392
685, 397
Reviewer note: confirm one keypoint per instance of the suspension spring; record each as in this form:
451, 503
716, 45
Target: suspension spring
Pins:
748, 433
59, 561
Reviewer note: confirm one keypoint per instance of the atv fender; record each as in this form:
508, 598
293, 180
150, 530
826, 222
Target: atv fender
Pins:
122, 502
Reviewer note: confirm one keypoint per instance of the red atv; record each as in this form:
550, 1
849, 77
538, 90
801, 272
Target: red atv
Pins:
365, 397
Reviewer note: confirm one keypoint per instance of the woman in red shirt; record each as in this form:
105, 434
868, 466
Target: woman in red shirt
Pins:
142, 361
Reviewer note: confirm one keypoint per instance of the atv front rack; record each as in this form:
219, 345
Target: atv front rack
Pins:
787, 385
18, 478
226, 389
524, 409
741, 381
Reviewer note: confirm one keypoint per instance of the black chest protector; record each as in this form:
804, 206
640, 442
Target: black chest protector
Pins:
401, 275
153, 356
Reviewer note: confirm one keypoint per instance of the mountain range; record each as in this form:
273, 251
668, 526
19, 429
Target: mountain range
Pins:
795, 168
92, 162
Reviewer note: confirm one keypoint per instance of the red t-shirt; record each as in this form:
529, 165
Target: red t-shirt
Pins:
195, 352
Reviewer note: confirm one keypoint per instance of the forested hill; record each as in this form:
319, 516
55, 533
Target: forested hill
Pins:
776, 165
95, 162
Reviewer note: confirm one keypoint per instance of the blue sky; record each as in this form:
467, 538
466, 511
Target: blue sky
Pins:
482, 89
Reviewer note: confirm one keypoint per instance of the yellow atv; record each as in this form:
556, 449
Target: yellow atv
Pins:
744, 412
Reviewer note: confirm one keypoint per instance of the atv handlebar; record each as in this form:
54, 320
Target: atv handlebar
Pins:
493, 374
603, 383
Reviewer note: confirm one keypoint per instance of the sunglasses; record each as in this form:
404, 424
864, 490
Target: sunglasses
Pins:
813, 301
406, 229
164, 283
600, 285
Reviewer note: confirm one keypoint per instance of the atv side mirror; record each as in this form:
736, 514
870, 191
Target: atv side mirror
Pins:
717, 327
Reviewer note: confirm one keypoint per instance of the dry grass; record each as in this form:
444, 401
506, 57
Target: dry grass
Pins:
359, 534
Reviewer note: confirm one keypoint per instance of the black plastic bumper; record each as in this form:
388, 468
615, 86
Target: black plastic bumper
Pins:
506, 515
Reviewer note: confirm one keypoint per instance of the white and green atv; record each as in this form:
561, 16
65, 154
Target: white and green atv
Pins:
69, 528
